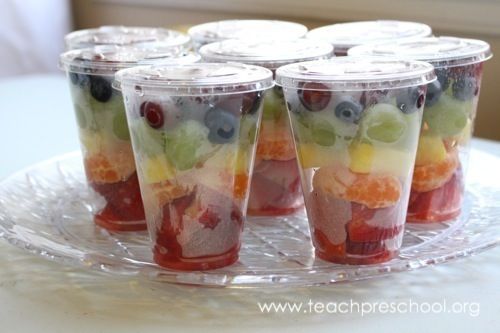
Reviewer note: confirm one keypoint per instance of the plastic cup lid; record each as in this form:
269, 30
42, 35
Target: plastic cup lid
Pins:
269, 54
195, 79
121, 35
355, 74
343, 36
110, 59
246, 29
439, 51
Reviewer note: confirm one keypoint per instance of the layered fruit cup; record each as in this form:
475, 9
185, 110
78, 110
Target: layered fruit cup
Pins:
194, 131
275, 188
258, 30
344, 36
450, 109
356, 147
126, 36
103, 130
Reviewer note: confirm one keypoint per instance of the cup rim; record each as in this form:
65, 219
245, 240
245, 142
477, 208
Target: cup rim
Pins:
443, 51
355, 74
194, 79
269, 54
125, 35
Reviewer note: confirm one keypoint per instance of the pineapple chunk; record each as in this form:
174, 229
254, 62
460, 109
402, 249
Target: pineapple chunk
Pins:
431, 150
157, 169
362, 155
314, 156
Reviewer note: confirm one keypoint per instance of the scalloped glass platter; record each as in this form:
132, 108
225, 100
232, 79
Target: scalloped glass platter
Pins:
47, 210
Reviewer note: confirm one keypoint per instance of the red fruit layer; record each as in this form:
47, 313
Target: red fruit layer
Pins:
360, 231
439, 205
123, 205
168, 252
275, 188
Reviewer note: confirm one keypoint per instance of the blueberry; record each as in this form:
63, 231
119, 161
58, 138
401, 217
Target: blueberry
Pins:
443, 78
78, 79
464, 88
100, 88
410, 100
222, 125
349, 110
434, 91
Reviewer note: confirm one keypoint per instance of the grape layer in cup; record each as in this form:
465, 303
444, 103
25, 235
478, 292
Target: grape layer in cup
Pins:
194, 132
127, 36
256, 30
450, 109
343, 36
275, 188
103, 130
356, 149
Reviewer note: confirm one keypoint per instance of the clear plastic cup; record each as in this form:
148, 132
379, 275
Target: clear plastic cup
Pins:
258, 30
356, 150
449, 113
126, 36
275, 188
194, 130
103, 131
343, 36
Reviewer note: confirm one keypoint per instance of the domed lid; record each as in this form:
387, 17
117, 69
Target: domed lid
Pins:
195, 79
246, 29
343, 36
355, 73
269, 54
439, 51
121, 35
109, 59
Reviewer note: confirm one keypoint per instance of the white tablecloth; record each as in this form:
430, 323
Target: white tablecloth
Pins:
36, 122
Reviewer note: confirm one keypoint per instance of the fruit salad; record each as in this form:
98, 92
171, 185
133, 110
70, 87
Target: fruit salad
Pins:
450, 108
275, 188
126, 36
356, 123
258, 30
343, 36
194, 132
103, 130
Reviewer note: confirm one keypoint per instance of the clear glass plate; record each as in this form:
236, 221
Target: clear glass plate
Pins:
47, 210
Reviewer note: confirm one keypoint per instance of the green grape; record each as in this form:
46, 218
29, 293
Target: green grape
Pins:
448, 117
182, 144
383, 123
323, 134
273, 107
120, 126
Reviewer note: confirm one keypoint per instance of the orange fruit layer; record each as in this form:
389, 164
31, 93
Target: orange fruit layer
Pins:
373, 191
432, 176
110, 167
275, 143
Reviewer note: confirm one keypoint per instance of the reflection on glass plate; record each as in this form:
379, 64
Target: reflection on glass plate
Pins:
47, 210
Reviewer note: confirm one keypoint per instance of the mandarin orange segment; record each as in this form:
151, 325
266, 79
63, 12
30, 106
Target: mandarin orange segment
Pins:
432, 176
109, 168
275, 143
373, 191
240, 186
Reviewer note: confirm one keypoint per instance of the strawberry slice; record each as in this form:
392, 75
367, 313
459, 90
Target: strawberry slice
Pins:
360, 231
441, 204
123, 202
